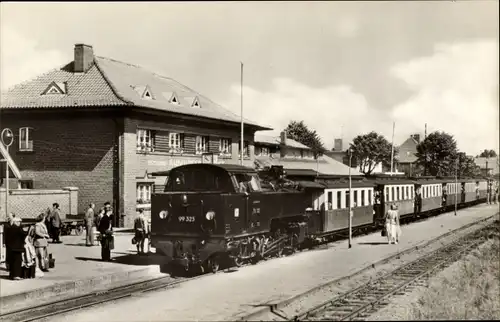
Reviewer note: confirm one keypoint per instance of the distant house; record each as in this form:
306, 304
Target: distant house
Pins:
407, 157
488, 166
294, 156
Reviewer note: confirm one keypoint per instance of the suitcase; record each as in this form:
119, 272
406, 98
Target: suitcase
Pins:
51, 262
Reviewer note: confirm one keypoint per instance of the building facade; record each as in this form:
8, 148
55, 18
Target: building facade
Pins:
105, 126
407, 158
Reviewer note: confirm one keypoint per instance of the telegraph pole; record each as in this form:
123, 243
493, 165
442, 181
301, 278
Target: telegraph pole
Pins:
456, 184
392, 149
242, 144
350, 198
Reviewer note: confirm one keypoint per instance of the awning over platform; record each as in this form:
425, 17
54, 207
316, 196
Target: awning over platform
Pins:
14, 170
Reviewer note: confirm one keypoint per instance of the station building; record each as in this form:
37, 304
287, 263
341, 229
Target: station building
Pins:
105, 126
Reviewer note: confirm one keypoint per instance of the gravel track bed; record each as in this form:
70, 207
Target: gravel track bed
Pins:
320, 296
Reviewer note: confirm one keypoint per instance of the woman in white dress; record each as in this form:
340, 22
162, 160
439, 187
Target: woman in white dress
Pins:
392, 225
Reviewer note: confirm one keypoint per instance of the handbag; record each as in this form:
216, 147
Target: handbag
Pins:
383, 232
134, 241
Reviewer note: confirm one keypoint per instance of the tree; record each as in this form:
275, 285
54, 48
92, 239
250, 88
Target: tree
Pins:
299, 132
467, 167
437, 153
488, 154
370, 149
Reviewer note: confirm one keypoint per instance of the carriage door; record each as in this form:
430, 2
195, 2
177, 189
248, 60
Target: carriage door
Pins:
445, 195
379, 203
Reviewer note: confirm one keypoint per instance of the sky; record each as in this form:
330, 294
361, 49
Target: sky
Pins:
345, 68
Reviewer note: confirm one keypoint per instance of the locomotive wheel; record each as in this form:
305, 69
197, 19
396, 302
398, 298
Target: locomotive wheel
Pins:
238, 261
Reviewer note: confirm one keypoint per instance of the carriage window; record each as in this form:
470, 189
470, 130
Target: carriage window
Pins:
398, 193
411, 192
370, 197
363, 197
393, 195
347, 201
386, 194
330, 201
339, 200
355, 201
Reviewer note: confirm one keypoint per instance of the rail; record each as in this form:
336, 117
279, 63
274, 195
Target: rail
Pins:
361, 302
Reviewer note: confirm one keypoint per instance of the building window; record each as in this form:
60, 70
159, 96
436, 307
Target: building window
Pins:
145, 140
144, 193
25, 139
201, 144
264, 151
225, 146
246, 150
25, 184
175, 142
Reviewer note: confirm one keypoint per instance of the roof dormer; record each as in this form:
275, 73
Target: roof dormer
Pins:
144, 92
171, 97
55, 88
192, 101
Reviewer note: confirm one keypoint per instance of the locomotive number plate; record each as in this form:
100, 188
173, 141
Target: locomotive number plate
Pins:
186, 218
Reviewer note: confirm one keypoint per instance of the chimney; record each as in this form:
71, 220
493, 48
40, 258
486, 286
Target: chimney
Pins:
84, 58
416, 137
283, 137
337, 145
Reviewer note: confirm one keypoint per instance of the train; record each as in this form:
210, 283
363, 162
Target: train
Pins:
210, 215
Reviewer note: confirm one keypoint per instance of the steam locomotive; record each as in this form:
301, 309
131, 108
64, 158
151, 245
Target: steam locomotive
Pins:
210, 215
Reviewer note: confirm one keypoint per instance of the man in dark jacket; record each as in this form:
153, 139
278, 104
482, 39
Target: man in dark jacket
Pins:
106, 230
55, 220
16, 243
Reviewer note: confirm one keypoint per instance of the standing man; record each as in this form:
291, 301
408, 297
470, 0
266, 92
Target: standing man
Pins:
106, 231
55, 219
89, 224
140, 227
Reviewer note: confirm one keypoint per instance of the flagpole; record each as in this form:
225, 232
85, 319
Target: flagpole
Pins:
392, 149
242, 145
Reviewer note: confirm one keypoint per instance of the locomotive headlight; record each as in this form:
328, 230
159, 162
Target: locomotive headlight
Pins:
163, 214
210, 215
184, 199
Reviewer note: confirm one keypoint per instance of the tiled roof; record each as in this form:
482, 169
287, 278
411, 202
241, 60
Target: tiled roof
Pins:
84, 89
112, 83
276, 140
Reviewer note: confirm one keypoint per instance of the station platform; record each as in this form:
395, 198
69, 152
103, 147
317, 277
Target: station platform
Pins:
79, 269
230, 295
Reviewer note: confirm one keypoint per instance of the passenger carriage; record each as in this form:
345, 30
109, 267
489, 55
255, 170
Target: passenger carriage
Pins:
394, 191
336, 211
430, 192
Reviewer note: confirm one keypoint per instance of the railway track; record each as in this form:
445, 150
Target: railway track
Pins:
360, 303
48, 310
